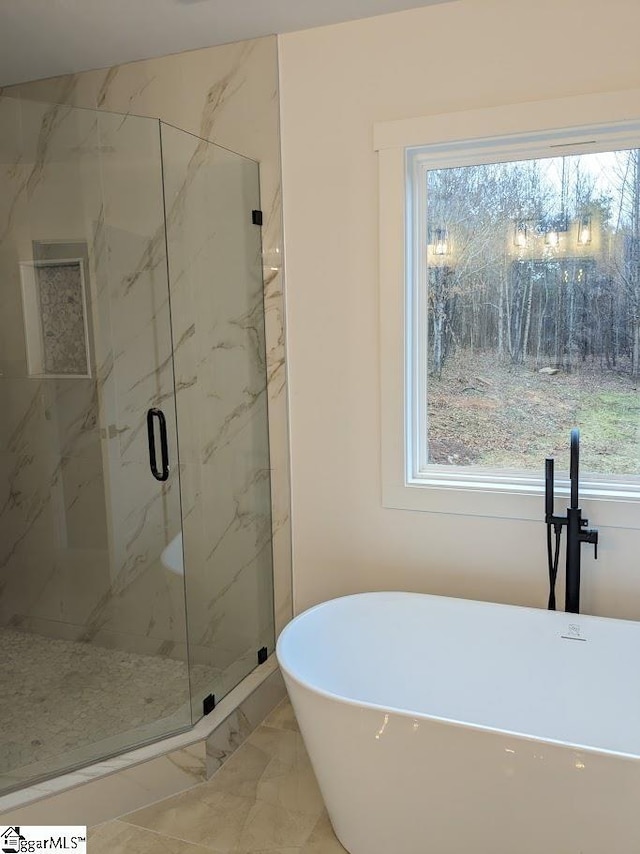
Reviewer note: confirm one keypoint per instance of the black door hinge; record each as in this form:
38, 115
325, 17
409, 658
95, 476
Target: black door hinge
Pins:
208, 704
262, 655
256, 217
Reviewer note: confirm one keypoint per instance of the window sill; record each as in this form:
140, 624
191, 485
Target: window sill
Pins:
605, 505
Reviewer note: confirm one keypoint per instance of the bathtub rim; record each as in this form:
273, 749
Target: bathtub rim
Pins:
389, 709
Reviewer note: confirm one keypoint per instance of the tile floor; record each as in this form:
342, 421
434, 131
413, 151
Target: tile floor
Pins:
264, 799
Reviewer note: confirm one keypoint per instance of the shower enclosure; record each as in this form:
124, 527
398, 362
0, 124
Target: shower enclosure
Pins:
135, 523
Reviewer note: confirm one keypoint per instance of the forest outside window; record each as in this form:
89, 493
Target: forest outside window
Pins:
524, 311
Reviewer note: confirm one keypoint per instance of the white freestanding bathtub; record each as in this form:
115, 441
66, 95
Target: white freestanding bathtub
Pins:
445, 726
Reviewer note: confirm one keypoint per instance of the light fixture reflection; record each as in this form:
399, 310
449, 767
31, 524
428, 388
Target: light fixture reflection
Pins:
520, 235
552, 238
438, 240
584, 230
441, 242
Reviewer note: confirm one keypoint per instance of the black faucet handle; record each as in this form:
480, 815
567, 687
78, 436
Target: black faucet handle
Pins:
591, 537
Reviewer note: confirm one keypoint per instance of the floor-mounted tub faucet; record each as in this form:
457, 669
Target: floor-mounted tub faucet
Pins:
576, 533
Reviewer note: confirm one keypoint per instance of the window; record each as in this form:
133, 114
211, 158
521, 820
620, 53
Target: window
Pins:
519, 275
527, 293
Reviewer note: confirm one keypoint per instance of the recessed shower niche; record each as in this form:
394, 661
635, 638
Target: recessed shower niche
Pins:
55, 318
131, 346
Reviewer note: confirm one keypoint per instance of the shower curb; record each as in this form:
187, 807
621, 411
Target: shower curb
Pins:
138, 778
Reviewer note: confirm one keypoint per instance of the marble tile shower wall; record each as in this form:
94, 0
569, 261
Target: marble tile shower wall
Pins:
143, 610
52, 510
228, 94
69, 558
216, 273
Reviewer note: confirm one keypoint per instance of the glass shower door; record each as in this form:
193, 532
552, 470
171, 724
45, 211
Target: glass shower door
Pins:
92, 601
215, 264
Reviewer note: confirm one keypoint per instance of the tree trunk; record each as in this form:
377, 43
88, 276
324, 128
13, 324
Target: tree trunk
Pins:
439, 297
527, 323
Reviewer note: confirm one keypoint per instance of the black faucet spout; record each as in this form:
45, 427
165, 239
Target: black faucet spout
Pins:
576, 530
574, 467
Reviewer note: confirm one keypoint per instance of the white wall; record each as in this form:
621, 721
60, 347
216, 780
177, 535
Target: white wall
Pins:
335, 83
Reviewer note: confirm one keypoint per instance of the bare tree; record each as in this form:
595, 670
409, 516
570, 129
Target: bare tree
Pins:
555, 303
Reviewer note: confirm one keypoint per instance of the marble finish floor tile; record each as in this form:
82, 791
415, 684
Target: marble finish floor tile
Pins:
264, 799
282, 717
116, 837
323, 840
225, 822
61, 696
273, 768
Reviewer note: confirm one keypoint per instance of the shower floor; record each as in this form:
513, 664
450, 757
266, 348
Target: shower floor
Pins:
61, 698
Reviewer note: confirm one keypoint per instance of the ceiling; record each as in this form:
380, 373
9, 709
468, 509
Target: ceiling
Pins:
43, 38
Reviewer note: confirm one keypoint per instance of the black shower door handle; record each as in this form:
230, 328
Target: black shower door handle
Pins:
162, 474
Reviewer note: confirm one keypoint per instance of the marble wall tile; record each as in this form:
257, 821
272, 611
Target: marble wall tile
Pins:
222, 400
80, 442
41, 442
146, 615
136, 343
28, 513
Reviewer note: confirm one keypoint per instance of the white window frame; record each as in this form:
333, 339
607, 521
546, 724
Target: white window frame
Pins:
406, 149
